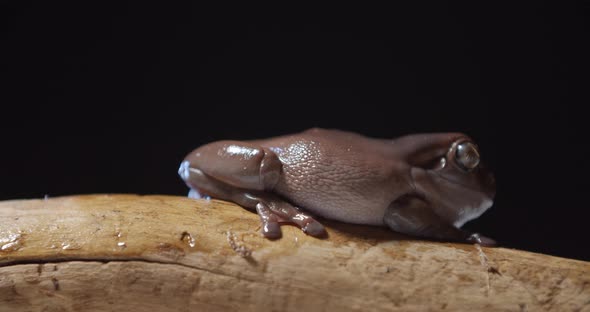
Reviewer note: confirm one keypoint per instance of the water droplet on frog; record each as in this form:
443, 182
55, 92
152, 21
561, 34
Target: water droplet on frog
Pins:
122, 244
188, 238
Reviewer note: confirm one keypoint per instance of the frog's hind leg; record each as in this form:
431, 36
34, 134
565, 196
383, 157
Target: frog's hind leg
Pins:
272, 210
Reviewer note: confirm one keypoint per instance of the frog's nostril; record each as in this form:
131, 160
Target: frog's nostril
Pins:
184, 170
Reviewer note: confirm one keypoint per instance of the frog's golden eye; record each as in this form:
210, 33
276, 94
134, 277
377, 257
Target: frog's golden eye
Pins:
467, 156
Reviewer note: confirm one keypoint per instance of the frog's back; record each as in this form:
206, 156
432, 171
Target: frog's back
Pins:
338, 175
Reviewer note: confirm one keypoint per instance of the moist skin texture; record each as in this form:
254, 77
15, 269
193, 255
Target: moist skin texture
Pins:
425, 185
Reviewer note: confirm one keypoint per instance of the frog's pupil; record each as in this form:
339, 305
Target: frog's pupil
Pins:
467, 155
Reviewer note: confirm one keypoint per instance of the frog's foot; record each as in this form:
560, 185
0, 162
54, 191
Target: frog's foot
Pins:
274, 212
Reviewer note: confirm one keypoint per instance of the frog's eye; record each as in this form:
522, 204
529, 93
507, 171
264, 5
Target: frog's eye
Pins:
467, 156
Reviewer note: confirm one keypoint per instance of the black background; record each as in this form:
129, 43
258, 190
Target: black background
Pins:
110, 99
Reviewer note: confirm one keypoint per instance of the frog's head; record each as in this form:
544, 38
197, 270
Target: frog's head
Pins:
447, 171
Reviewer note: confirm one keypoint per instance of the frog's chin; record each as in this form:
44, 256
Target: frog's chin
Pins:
468, 213
459, 205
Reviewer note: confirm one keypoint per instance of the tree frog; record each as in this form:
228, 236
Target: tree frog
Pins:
424, 185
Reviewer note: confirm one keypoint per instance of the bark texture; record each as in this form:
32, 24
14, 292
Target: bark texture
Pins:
167, 253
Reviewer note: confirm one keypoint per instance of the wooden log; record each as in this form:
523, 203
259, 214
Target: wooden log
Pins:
167, 253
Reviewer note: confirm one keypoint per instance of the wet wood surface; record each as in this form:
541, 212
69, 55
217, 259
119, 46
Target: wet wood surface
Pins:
167, 253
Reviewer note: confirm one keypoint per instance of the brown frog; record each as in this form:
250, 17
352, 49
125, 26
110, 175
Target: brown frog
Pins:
425, 185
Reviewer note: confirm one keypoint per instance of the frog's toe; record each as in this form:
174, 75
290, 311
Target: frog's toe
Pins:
270, 222
314, 228
271, 230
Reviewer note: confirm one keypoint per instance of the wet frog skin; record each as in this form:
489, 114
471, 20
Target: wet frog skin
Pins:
425, 185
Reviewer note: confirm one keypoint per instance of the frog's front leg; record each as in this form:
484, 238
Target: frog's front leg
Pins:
414, 216
273, 211
245, 174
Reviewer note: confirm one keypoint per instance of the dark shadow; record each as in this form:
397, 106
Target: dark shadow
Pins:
366, 232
